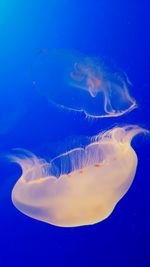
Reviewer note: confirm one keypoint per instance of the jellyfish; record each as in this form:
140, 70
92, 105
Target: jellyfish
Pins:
81, 186
81, 83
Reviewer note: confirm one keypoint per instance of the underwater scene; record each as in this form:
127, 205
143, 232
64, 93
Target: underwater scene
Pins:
75, 133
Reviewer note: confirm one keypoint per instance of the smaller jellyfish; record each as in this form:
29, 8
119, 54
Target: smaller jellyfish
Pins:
80, 83
81, 186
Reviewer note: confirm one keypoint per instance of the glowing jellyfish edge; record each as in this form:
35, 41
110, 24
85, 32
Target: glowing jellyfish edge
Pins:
99, 176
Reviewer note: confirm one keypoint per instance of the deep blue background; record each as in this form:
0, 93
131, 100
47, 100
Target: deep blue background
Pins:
120, 31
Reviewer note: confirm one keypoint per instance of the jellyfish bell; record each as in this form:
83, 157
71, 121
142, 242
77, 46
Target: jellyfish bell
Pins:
79, 187
80, 83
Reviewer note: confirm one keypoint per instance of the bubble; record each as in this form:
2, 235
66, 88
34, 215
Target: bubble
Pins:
81, 186
80, 83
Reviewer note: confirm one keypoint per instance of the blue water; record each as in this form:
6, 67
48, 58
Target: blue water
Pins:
118, 30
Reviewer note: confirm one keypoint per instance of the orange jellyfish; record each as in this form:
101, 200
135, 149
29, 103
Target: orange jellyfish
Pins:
79, 187
80, 83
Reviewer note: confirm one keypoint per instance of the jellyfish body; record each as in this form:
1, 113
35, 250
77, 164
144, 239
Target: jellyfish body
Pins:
79, 187
80, 83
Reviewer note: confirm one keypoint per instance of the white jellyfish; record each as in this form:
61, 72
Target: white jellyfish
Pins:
80, 83
79, 187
